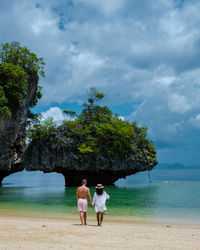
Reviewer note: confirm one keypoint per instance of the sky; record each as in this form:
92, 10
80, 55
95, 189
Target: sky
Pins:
143, 54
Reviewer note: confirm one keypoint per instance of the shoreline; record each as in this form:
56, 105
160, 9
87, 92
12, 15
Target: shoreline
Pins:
26, 232
65, 215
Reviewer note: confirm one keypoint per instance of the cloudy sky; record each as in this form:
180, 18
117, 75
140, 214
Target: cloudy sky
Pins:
143, 54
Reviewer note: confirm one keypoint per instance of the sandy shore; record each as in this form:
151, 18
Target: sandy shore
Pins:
19, 232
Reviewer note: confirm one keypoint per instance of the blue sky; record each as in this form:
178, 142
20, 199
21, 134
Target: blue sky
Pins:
144, 55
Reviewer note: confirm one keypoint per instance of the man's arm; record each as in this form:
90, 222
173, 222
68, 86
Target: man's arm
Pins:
90, 197
77, 193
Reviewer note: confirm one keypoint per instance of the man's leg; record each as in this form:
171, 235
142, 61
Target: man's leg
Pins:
81, 217
85, 218
101, 218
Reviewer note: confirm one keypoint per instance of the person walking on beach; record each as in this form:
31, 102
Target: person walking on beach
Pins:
82, 203
99, 200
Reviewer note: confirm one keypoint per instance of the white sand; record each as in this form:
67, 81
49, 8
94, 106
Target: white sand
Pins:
19, 232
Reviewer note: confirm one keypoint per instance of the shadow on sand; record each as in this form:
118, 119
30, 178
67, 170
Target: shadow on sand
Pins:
84, 225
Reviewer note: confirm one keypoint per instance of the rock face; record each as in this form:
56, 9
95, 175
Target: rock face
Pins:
57, 153
12, 134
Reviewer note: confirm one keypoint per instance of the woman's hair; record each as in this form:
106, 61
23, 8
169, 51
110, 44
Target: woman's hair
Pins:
99, 191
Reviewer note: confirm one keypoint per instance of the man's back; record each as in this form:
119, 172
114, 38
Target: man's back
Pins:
82, 192
82, 203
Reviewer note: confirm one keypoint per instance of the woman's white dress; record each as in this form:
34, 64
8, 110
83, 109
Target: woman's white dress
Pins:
100, 201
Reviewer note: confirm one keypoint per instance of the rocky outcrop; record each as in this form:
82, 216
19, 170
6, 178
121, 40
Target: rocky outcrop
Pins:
13, 132
58, 153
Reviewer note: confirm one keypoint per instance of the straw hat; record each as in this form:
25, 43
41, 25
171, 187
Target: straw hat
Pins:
99, 186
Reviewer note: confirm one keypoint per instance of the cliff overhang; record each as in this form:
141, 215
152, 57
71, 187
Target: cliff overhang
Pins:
55, 156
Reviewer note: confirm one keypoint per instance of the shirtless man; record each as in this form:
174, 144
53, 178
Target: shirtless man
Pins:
82, 203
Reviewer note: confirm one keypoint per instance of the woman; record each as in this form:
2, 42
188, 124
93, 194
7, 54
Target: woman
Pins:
99, 200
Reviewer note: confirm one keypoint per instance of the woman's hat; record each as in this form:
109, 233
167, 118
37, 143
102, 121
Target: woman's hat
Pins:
99, 186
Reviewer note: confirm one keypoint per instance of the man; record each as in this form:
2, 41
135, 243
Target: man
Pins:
82, 203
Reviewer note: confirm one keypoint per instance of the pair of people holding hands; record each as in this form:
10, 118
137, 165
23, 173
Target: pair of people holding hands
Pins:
98, 201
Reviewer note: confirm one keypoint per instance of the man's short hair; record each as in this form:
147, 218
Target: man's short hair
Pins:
84, 181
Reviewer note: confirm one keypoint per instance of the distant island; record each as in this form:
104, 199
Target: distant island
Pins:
96, 144
176, 166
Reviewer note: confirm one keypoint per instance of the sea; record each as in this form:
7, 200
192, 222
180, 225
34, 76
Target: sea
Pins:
162, 195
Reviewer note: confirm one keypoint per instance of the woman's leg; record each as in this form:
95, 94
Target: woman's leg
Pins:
98, 221
101, 219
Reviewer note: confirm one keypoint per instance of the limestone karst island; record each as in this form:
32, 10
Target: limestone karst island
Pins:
95, 144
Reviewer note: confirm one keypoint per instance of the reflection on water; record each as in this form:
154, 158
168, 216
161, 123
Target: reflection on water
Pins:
133, 197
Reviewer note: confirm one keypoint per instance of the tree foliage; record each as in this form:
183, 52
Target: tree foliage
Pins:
71, 113
97, 133
92, 112
16, 54
4, 110
17, 66
13, 84
41, 130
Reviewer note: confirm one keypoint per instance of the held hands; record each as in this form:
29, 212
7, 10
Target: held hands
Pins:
91, 205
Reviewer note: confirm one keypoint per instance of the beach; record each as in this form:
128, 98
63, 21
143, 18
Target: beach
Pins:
28, 232
42, 214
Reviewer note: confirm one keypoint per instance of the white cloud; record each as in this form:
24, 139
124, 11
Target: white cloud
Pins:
41, 24
106, 6
55, 113
122, 118
195, 121
179, 104
175, 127
136, 51
86, 63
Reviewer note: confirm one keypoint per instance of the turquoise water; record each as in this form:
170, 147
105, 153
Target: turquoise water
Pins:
37, 193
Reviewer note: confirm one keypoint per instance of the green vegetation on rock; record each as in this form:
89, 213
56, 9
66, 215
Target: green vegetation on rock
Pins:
41, 130
17, 66
20, 72
96, 133
13, 86
4, 109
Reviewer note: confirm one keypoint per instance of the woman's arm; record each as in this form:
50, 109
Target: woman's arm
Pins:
90, 197
94, 199
107, 196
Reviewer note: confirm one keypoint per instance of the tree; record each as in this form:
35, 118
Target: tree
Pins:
41, 130
97, 134
71, 113
92, 112
16, 54
13, 84
18, 66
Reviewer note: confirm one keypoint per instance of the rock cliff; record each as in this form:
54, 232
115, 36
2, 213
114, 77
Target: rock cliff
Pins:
13, 132
58, 153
